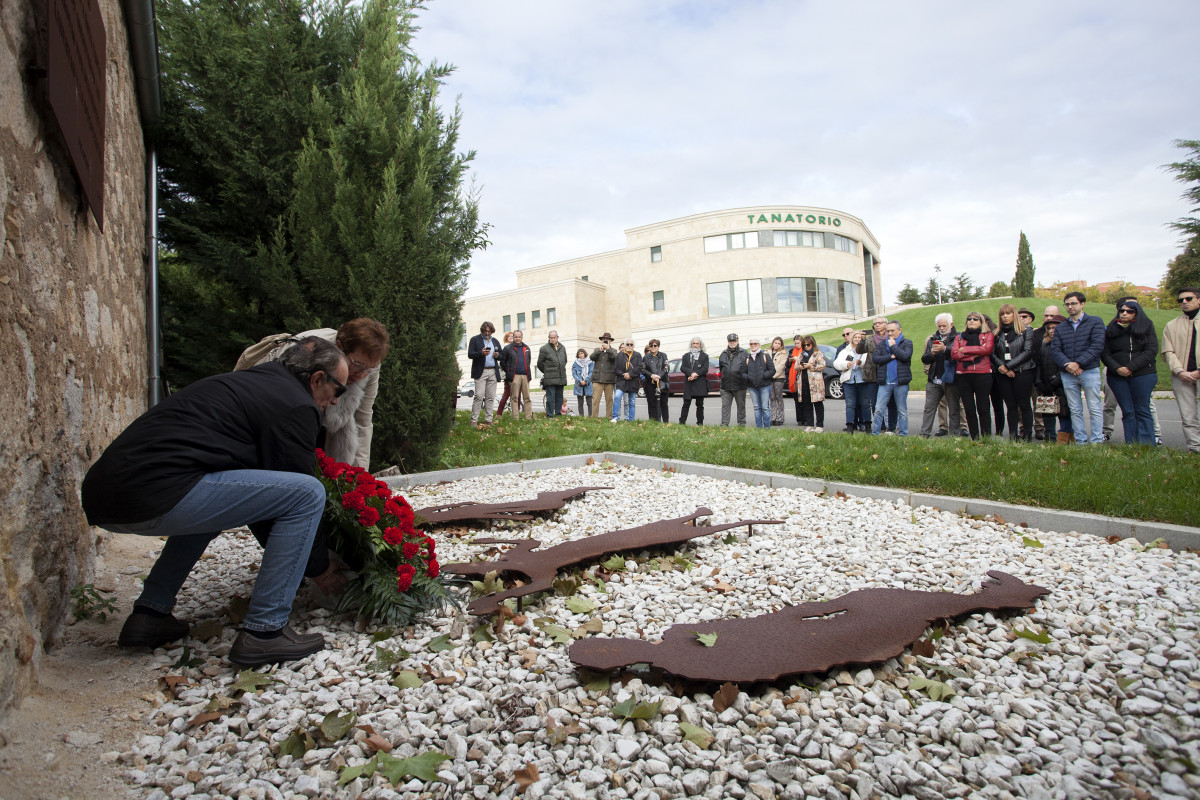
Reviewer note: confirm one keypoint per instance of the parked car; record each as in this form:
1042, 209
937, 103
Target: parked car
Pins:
466, 388
675, 378
833, 378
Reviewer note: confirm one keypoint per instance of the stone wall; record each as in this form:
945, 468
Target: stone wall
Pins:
73, 337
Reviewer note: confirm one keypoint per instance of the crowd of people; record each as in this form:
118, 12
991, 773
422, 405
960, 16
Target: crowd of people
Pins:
992, 377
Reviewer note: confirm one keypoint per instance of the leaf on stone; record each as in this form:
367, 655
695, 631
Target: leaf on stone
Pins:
683, 563
1030, 542
382, 635
296, 745
386, 659
998, 518
1041, 637
722, 587
335, 725
580, 605
422, 767
186, 661
593, 625
445, 680
935, 689
557, 734
730, 538
696, 735
526, 777
936, 634
482, 634
629, 708
557, 633
170, 682
378, 744
237, 608
614, 563
441, 643
407, 679
567, 586
706, 639
600, 683
725, 697
1124, 683
365, 770
206, 629
220, 703
204, 717
250, 681
923, 647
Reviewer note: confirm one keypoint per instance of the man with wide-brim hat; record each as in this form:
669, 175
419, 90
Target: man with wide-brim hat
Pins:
604, 376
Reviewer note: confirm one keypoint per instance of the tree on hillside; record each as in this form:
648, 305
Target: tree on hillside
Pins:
1022, 282
1187, 172
380, 226
931, 296
237, 87
1183, 270
909, 294
1001, 289
963, 288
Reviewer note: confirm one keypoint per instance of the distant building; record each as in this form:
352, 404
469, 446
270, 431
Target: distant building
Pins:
760, 271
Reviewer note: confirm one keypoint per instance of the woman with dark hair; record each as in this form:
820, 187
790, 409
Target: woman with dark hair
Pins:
507, 340
972, 354
806, 378
1049, 384
778, 355
1130, 345
581, 372
1015, 369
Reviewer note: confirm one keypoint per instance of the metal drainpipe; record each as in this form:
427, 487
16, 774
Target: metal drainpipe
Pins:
143, 46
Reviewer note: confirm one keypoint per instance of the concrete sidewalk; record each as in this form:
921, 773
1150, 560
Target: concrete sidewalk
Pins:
1178, 537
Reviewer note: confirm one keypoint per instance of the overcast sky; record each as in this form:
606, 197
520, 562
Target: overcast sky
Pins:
946, 127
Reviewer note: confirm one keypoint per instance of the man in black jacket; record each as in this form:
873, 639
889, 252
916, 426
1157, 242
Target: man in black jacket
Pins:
733, 380
225, 451
517, 368
484, 352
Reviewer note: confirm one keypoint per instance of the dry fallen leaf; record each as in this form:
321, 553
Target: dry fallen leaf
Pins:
998, 518
207, 716
924, 647
378, 743
526, 777
725, 697
875, 456
722, 587
445, 680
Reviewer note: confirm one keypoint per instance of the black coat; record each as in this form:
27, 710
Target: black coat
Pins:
631, 363
697, 366
760, 369
1125, 349
475, 353
1020, 350
733, 369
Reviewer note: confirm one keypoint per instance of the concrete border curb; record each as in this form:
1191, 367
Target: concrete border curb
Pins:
1178, 537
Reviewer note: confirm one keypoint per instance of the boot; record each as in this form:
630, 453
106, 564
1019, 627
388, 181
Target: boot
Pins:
1065, 438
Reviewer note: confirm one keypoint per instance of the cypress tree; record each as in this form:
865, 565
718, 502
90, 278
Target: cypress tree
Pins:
1022, 283
379, 225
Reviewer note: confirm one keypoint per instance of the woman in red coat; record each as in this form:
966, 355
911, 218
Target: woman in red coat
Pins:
972, 354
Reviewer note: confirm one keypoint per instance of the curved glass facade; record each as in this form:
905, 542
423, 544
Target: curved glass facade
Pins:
782, 295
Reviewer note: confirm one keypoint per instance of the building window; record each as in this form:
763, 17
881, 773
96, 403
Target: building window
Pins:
584, 278
660, 302
521, 321
833, 241
551, 317
730, 241
537, 319
655, 254
507, 323
734, 298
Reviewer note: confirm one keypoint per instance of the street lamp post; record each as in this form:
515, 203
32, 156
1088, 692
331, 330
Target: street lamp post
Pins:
937, 269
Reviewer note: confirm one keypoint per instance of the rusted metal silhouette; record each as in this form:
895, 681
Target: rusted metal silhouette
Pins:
861, 627
541, 566
515, 510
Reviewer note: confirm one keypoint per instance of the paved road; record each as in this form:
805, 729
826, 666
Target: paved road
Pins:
835, 415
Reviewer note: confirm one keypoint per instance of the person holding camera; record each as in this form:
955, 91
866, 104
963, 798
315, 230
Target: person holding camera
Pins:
484, 352
604, 376
872, 338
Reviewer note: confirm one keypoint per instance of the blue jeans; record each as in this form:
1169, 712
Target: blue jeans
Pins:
760, 396
858, 403
1133, 396
224, 500
554, 401
887, 391
1089, 383
629, 399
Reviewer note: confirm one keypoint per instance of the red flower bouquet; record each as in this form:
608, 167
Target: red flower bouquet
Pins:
374, 531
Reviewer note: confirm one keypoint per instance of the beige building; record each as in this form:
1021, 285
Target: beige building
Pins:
759, 271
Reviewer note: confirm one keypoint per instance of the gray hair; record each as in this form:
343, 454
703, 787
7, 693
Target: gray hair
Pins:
945, 316
880, 318
310, 355
696, 339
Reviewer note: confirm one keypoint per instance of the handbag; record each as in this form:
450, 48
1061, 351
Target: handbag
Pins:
265, 349
948, 372
1046, 404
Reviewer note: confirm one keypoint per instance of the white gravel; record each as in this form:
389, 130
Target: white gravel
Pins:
1108, 708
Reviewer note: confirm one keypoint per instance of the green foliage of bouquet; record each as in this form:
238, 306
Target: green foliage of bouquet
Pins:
374, 532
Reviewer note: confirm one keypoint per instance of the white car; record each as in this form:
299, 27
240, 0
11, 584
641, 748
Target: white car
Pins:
466, 388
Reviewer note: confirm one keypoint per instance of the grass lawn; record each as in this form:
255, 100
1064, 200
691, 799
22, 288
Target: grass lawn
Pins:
918, 323
1138, 482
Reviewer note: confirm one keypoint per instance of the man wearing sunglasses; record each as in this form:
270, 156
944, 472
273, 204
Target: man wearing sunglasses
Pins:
1181, 350
348, 425
225, 451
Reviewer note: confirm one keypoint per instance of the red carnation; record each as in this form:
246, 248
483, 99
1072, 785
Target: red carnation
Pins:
392, 507
404, 517
411, 549
404, 576
429, 544
354, 501
393, 536
433, 569
368, 517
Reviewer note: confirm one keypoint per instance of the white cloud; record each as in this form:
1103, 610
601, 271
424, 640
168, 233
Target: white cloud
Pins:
947, 128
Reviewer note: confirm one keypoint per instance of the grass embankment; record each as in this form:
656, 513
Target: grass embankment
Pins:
918, 323
1138, 482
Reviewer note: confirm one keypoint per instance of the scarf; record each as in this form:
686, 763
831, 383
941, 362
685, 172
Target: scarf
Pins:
794, 356
583, 363
971, 337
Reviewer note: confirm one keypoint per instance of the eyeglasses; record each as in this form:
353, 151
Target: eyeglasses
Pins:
1127, 311
359, 367
1190, 299
974, 319
653, 346
629, 344
1072, 303
339, 388
847, 333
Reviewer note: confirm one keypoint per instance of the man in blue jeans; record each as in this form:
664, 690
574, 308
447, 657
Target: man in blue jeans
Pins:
226, 451
893, 373
1076, 349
